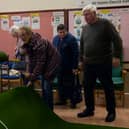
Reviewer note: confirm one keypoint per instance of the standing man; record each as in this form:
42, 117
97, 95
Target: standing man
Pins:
43, 60
67, 46
100, 46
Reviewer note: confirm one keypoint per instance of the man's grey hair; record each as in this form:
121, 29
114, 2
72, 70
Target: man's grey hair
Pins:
89, 7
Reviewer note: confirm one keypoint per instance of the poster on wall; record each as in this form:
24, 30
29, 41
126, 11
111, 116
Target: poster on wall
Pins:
26, 21
5, 22
57, 18
35, 20
16, 20
78, 23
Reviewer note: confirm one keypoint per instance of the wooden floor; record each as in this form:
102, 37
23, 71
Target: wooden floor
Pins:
122, 118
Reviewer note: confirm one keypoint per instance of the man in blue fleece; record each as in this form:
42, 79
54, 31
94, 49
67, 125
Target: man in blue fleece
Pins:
67, 46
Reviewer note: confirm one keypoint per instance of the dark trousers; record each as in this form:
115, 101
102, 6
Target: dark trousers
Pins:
104, 73
47, 92
66, 85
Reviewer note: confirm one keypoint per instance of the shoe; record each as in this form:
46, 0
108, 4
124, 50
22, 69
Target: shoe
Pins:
110, 117
60, 103
85, 113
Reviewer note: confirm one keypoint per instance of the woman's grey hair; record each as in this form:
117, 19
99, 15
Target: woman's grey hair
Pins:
14, 29
90, 7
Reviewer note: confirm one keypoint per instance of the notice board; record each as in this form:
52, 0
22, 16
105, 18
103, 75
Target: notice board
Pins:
44, 23
118, 16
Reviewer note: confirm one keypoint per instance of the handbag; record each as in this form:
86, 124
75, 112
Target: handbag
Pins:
77, 93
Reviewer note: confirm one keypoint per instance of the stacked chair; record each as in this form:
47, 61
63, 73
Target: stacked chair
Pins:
10, 75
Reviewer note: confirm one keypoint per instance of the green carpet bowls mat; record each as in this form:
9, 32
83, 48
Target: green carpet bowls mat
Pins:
22, 108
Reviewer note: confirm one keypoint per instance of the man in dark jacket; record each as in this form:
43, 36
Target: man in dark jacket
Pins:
43, 60
100, 48
67, 45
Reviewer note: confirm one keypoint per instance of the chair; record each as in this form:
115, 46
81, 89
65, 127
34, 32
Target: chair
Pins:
118, 76
7, 79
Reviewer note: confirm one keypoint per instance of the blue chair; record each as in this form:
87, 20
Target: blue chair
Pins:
5, 78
